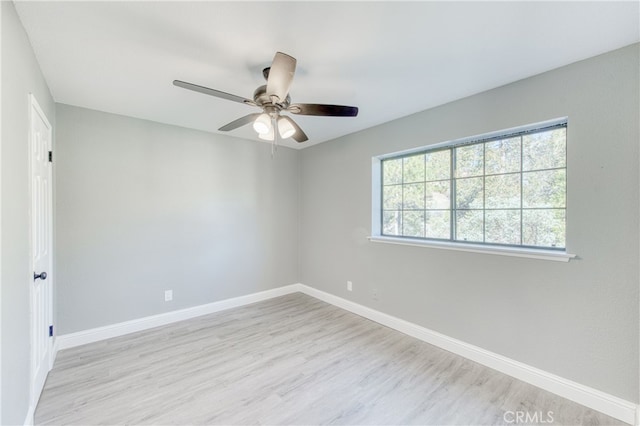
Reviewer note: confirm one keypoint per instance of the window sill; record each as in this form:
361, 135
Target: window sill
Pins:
558, 256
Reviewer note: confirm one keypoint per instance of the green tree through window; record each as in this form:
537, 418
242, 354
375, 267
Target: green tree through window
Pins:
507, 190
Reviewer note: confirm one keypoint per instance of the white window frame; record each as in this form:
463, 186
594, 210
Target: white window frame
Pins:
376, 205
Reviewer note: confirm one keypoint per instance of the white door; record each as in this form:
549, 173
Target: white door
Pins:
40, 136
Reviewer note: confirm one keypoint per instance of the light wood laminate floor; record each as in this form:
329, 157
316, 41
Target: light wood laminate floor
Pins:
288, 360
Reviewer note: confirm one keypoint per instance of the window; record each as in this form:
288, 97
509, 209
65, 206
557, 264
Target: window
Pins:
507, 189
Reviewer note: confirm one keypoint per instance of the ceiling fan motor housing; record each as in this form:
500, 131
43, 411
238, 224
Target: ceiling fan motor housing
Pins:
261, 99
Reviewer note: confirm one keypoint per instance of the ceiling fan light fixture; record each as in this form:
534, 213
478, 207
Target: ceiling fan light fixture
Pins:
262, 125
285, 128
269, 136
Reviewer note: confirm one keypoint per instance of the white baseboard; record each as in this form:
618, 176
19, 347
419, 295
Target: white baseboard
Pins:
54, 351
600, 401
29, 420
71, 340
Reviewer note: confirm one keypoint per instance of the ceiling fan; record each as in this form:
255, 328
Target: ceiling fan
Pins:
274, 99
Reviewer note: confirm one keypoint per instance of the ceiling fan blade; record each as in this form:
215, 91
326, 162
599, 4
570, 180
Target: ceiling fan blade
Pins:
212, 92
326, 110
299, 135
280, 76
240, 122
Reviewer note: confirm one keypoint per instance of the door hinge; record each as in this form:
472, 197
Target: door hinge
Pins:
50, 331
51, 156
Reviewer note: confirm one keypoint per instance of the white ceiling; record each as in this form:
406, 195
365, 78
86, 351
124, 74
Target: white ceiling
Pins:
390, 59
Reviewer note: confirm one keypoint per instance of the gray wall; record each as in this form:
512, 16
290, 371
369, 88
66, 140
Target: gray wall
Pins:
143, 207
20, 76
579, 319
214, 217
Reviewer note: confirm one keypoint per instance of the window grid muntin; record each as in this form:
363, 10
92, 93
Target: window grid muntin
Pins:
484, 192
522, 190
453, 188
453, 197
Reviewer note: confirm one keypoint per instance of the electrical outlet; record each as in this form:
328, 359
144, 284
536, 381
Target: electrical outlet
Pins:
168, 295
349, 286
375, 295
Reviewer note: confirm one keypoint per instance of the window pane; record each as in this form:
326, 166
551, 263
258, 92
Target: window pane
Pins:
502, 226
544, 189
508, 191
544, 150
413, 196
469, 193
502, 191
413, 224
391, 171
392, 197
437, 224
437, 195
413, 169
470, 160
438, 165
502, 156
544, 228
469, 225
391, 222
